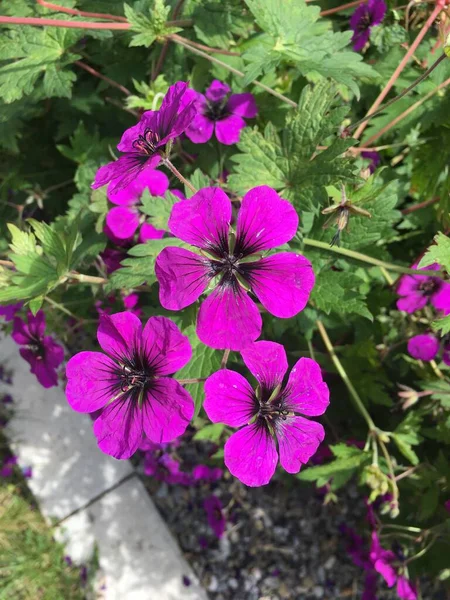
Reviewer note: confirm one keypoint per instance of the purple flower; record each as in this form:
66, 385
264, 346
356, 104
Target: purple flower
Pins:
160, 465
143, 144
363, 19
130, 383
356, 548
220, 113
370, 586
423, 347
385, 563
9, 310
7, 399
214, 514
266, 415
8, 466
130, 302
205, 473
282, 282
417, 290
27, 472
374, 158
123, 220
39, 350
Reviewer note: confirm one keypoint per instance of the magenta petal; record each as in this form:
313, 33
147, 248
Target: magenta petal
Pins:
229, 398
267, 361
122, 222
54, 353
200, 130
155, 181
118, 334
166, 348
251, 456
306, 391
217, 91
122, 172
412, 302
243, 105
228, 130
298, 440
202, 220
228, 318
441, 299
20, 333
182, 275
167, 410
423, 347
89, 376
405, 589
148, 232
282, 282
36, 323
148, 120
265, 220
118, 429
387, 571
45, 373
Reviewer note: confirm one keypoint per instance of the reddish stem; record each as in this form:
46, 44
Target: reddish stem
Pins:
331, 11
414, 207
177, 38
437, 9
80, 13
405, 113
111, 82
60, 23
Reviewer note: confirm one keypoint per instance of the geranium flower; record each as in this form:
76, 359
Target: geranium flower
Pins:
385, 562
123, 220
363, 19
39, 350
9, 310
163, 467
205, 473
374, 158
143, 144
282, 282
214, 513
130, 383
220, 113
269, 414
417, 290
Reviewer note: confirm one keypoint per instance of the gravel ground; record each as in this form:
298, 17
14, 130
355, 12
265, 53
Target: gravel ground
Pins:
280, 541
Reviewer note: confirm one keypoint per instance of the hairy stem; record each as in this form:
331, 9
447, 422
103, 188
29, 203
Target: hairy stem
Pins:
407, 112
80, 13
225, 358
195, 380
186, 44
414, 207
437, 9
87, 278
95, 73
387, 457
345, 378
398, 97
336, 9
61, 23
367, 259
62, 308
179, 176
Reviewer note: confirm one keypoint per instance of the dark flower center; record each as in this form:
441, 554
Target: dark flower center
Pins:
37, 348
365, 22
271, 407
147, 143
134, 376
216, 110
429, 286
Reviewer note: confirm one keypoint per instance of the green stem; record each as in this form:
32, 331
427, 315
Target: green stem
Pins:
225, 358
195, 380
62, 308
179, 176
183, 42
421, 553
87, 278
367, 259
345, 378
387, 457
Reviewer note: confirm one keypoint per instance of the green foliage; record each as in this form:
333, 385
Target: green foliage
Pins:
293, 33
439, 253
339, 293
292, 164
347, 462
29, 53
149, 28
150, 96
158, 208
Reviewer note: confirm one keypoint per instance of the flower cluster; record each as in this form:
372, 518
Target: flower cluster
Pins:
417, 291
367, 15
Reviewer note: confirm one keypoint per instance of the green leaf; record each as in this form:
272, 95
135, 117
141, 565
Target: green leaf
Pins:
22, 243
439, 253
199, 180
52, 243
294, 34
158, 208
149, 28
36, 304
216, 22
140, 267
28, 53
336, 467
291, 164
203, 363
405, 448
338, 292
212, 433
442, 325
